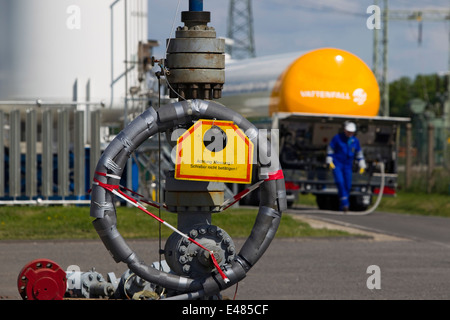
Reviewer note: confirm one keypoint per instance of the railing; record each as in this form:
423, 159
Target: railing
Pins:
47, 153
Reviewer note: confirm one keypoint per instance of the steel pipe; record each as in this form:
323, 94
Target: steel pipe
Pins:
112, 163
195, 5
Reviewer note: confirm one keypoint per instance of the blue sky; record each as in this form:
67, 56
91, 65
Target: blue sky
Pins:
300, 25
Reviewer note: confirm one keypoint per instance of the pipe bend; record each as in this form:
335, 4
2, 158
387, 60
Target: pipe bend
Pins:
262, 234
113, 162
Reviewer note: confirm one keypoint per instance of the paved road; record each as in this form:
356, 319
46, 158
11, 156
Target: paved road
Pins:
417, 266
415, 227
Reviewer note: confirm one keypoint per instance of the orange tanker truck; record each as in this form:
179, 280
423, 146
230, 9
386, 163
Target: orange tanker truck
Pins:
307, 97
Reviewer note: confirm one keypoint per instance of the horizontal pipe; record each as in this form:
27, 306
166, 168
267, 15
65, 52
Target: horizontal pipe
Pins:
41, 102
42, 202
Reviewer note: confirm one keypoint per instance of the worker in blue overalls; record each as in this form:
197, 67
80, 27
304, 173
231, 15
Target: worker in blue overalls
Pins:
343, 149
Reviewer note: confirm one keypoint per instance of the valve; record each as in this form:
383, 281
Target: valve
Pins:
90, 284
202, 257
195, 59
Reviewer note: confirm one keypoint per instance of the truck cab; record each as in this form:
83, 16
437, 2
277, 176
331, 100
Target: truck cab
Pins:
303, 145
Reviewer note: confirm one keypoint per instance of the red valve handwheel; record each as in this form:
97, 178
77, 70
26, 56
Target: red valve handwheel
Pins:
42, 279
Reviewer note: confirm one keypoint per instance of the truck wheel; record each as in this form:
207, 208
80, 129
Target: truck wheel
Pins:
327, 202
360, 203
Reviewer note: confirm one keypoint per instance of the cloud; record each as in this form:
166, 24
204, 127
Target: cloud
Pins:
289, 26
337, 6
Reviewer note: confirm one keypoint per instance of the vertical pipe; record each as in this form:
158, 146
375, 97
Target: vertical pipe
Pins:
195, 5
31, 158
385, 60
87, 119
47, 154
2, 154
125, 116
78, 153
14, 154
251, 39
376, 53
230, 25
112, 54
129, 162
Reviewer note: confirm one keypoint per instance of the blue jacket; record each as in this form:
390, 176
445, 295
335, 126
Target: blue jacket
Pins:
344, 150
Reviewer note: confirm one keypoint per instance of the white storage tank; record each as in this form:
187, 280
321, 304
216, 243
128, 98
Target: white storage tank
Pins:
61, 50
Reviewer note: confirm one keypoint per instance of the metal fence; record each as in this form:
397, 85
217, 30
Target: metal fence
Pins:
424, 159
48, 154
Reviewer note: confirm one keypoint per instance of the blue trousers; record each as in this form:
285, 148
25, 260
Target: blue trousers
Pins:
343, 179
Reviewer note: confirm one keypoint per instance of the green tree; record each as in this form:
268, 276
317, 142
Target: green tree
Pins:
400, 92
429, 88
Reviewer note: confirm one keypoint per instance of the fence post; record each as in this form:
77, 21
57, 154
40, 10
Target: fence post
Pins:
63, 153
430, 178
95, 142
47, 154
14, 154
31, 157
408, 163
78, 152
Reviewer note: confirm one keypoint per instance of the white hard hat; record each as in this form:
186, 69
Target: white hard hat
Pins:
350, 126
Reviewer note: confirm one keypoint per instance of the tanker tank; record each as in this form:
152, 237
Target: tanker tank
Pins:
321, 81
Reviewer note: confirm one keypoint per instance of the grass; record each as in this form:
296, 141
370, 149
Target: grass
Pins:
421, 203
71, 222
417, 203
437, 183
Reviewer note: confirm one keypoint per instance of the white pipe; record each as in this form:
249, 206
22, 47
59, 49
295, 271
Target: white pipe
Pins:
39, 202
357, 213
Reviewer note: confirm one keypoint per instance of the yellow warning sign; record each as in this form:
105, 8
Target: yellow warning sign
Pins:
214, 150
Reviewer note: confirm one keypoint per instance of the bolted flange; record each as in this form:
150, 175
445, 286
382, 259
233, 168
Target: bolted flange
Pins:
195, 59
42, 279
190, 260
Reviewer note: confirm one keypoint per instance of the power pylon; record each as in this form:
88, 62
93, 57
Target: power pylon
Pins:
418, 15
240, 30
